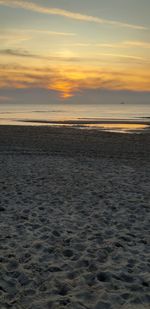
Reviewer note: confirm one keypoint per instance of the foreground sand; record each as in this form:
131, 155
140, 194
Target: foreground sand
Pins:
75, 219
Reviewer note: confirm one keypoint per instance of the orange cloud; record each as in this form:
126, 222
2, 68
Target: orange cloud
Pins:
66, 88
68, 80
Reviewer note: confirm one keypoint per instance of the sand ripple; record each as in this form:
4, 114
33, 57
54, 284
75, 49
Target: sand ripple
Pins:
75, 233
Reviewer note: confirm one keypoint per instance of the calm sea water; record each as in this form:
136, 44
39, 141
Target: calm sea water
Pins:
16, 114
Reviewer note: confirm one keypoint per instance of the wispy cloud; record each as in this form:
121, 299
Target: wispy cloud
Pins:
26, 54
65, 13
7, 37
121, 45
72, 58
26, 34
140, 44
49, 33
126, 44
18, 53
17, 36
121, 56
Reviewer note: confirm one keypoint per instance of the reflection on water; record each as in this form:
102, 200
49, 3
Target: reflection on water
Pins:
111, 117
118, 127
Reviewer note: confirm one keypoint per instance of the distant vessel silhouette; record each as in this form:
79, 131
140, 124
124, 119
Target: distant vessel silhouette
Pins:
122, 102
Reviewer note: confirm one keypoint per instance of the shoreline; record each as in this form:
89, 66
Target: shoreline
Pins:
90, 121
102, 124
78, 121
72, 142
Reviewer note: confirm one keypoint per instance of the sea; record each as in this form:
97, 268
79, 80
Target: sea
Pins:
123, 117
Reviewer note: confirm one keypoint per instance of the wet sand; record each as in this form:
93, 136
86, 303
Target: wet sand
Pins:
84, 121
75, 219
110, 125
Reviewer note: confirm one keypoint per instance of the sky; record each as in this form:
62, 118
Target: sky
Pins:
74, 50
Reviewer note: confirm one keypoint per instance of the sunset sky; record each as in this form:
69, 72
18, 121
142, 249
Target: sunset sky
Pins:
74, 49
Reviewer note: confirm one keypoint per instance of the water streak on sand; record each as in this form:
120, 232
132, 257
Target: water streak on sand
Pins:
118, 126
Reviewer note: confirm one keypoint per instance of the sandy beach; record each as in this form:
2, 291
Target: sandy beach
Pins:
75, 219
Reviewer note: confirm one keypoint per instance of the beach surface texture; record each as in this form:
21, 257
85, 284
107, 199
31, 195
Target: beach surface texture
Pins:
75, 219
